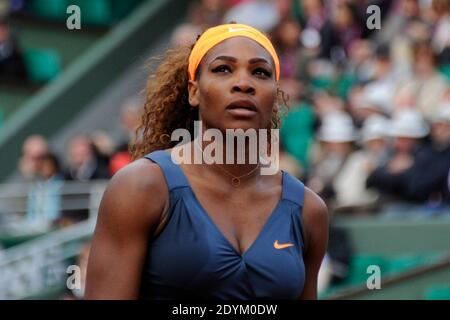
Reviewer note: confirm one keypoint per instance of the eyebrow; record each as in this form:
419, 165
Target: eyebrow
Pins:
233, 59
257, 60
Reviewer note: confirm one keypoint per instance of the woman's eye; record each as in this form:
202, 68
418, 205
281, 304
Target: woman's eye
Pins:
263, 72
222, 68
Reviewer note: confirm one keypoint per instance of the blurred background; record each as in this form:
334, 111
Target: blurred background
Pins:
367, 127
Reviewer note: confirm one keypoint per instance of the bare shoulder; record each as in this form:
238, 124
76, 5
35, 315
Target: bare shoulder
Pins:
314, 205
140, 176
136, 194
315, 215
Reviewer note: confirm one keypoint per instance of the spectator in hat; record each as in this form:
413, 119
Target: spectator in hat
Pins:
336, 136
371, 100
427, 179
407, 128
350, 182
377, 96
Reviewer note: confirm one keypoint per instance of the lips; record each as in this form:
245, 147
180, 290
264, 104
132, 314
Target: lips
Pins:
242, 108
242, 104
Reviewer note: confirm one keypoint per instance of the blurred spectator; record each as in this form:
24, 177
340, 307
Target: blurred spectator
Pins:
185, 34
407, 128
441, 35
367, 102
311, 13
360, 63
103, 143
337, 136
286, 39
297, 130
346, 29
313, 18
206, 13
350, 182
406, 12
130, 117
44, 198
316, 72
377, 96
325, 104
260, 14
33, 150
427, 179
12, 65
427, 86
84, 163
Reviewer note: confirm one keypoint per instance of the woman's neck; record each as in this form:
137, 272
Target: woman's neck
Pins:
236, 159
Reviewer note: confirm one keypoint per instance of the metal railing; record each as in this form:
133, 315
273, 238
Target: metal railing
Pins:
34, 267
39, 264
16, 200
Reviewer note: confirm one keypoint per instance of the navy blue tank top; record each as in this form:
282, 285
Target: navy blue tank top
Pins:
191, 258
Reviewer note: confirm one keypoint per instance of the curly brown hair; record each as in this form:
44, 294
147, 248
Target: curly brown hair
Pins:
167, 107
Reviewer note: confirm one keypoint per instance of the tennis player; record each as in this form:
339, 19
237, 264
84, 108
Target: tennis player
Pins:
207, 231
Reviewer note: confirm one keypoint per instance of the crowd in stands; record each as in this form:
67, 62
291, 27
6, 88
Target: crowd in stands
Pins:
368, 117
88, 157
368, 121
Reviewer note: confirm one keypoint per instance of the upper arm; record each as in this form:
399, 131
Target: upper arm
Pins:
315, 226
129, 212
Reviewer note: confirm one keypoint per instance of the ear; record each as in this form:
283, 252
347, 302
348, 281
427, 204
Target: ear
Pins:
194, 99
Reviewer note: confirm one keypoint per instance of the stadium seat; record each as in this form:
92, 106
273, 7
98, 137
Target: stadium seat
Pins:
438, 293
49, 9
95, 12
42, 64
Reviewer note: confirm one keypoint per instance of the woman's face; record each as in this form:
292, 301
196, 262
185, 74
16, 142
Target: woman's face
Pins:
236, 86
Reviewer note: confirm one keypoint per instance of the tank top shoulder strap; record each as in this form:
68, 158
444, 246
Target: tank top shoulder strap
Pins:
173, 174
293, 189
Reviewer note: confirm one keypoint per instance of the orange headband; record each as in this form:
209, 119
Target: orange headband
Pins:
215, 35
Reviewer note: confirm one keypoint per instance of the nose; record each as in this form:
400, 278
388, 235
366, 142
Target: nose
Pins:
244, 85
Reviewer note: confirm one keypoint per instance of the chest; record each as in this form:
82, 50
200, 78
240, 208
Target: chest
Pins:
193, 254
240, 214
